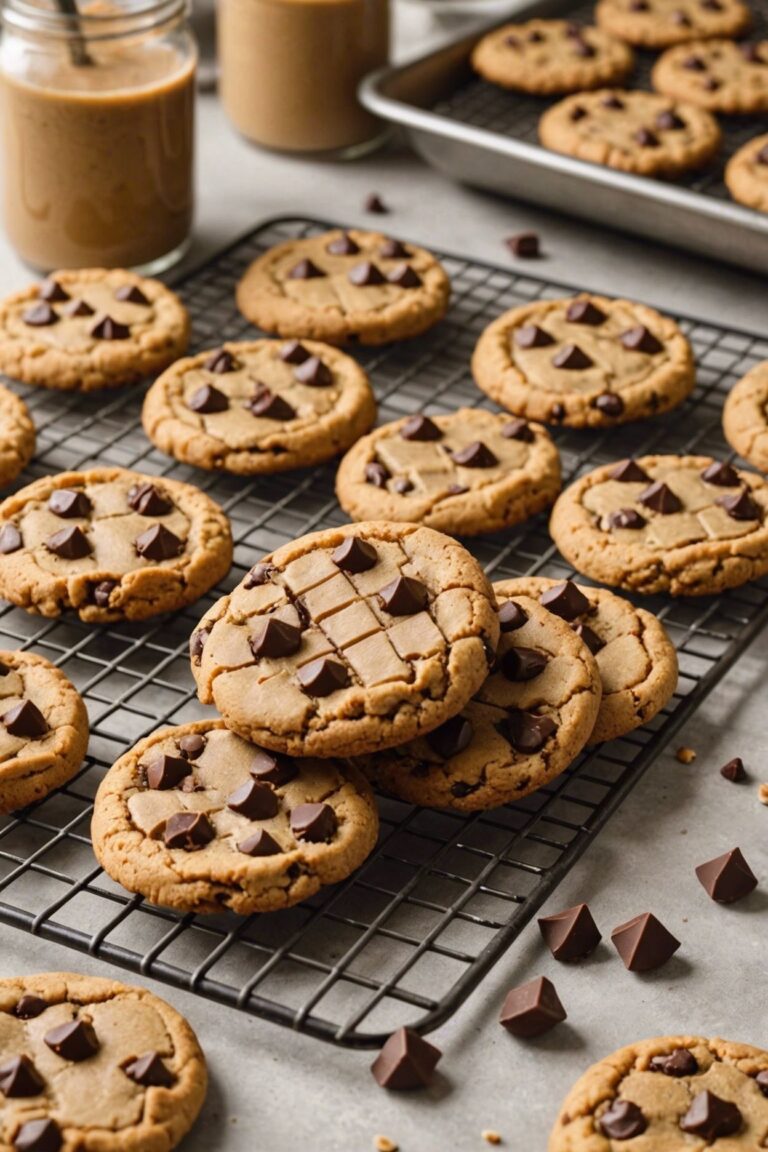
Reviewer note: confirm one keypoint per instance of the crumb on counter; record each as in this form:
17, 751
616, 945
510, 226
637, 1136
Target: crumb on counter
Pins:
490, 1136
384, 1144
762, 793
685, 755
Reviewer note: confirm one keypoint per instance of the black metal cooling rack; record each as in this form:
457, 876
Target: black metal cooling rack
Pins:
407, 938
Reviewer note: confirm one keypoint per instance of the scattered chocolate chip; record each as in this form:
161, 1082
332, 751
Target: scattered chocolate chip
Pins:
524, 245
641, 339
404, 596
585, 312
694, 64
76, 1040
571, 934
659, 498
524, 663
762, 1082
403, 485
258, 575
38, 1136
646, 139
531, 336
69, 503
475, 455
365, 275
420, 428
355, 555
644, 943
394, 250
305, 270
40, 316
532, 1009
740, 505
374, 203
52, 291
527, 732
322, 677
404, 276
343, 245
622, 1121
271, 406
165, 771
578, 112
272, 768
30, 1007
10, 539
275, 638
69, 544
314, 373
188, 830
376, 474
613, 103
629, 472
588, 637
220, 362
149, 1071
316, 823
571, 358
254, 800
678, 1062
108, 329
511, 616
158, 543
518, 429
149, 500
734, 770
259, 844
711, 1117
451, 738
191, 746
20, 1078
406, 1061
197, 643
721, 474
727, 878
207, 399
565, 600
25, 720
669, 121
609, 404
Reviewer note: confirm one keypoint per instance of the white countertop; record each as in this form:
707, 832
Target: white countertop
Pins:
274, 1091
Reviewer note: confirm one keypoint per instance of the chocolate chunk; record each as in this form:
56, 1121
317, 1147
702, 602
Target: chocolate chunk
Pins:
403, 485
457, 489
629, 472
148, 500
197, 643
313, 373
571, 358
524, 663
271, 406
69, 503
275, 638
475, 455
38, 1136
590, 638
316, 823
158, 543
565, 600
711, 1117
694, 64
254, 800
52, 291
108, 329
25, 720
355, 555
259, 844
711, 5
625, 518
165, 771
365, 275
613, 103
460, 789
646, 139
76, 1040
420, 428
404, 277
131, 294
29, 1007
305, 270
40, 316
659, 498
322, 677
679, 1062
585, 312
582, 48
762, 1082
578, 112
511, 616
188, 830
207, 399
734, 770
518, 429
294, 352
751, 52
343, 245
10, 539
669, 121
69, 544
77, 309
639, 5
532, 1009
20, 1078
572, 934
535, 37
527, 732
271, 768
740, 505
404, 596
681, 19
149, 1071
531, 336
258, 575
622, 1121
644, 943
191, 746
220, 362
641, 339
609, 404
710, 84
524, 245
374, 203
376, 474
451, 738
720, 474
406, 1061
727, 878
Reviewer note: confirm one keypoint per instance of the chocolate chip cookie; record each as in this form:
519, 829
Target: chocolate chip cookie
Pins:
635, 657
111, 544
545, 57
468, 472
661, 23
345, 287
718, 75
259, 407
348, 640
668, 1094
17, 435
588, 361
688, 525
94, 1065
746, 174
92, 328
43, 729
745, 416
524, 726
196, 819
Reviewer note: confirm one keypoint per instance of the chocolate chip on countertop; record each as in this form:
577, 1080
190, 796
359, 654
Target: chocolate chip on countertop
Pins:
643, 943
734, 770
524, 245
374, 203
571, 934
532, 1009
406, 1061
727, 878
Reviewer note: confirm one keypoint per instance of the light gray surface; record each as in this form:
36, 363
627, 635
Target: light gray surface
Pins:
273, 1091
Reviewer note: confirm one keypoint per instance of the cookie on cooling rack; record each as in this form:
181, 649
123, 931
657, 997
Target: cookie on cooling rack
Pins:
745, 416
746, 174
661, 23
17, 435
718, 75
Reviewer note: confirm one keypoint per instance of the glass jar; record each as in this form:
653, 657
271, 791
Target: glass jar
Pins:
97, 129
289, 71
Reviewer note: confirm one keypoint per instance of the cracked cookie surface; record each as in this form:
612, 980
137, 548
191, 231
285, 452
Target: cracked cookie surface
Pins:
658, 524
469, 472
345, 287
718, 75
527, 722
350, 639
17, 435
111, 544
746, 174
259, 407
661, 23
89, 329
651, 1096
545, 57
82, 1040
745, 416
585, 361
254, 847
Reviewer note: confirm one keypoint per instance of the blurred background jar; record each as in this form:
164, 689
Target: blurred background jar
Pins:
289, 71
98, 129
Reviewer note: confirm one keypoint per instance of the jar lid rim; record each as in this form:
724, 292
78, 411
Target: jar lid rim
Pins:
122, 17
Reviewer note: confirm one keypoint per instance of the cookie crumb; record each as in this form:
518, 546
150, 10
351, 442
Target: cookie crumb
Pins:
762, 793
525, 245
685, 755
374, 203
490, 1136
384, 1144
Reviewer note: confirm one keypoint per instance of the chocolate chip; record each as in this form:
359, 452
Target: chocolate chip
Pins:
460, 789
588, 637
578, 112
451, 738
376, 474
622, 1121
740, 505
535, 37
532, 1009
525, 245
149, 1071
526, 732
40, 316
512, 41
305, 270
25, 720
271, 768
207, 399
475, 455
165, 771
404, 277
188, 830
69, 544
524, 663
271, 406
644, 943
75, 1041
711, 1117
762, 1082
355, 555
343, 245
10, 539
565, 600
314, 373
557, 412
721, 474
108, 329
374, 203
531, 336
406, 1061
585, 312
641, 339
457, 489
678, 1062
582, 48
149, 500
322, 677
681, 19
258, 575
52, 291
572, 934
571, 358
394, 250
669, 121
629, 472
511, 616
191, 746
259, 844
365, 275
69, 503
639, 5
77, 309
197, 643
403, 485
158, 543
275, 638
613, 103
29, 1007
734, 770
254, 800
20, 1078
609, 404
751, 52
404, 596
727, 878
420, 428
220, 362
38, 1136
518, 429
659, 498
316, 823
646, 139
694, 64
711, 84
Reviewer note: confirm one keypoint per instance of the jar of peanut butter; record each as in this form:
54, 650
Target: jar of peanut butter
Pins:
97, 103
290, 69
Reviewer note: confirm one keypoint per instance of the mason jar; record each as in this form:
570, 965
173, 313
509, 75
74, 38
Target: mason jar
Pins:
97, 131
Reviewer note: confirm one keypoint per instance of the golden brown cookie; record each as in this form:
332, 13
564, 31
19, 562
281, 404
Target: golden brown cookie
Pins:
718, 75
661, 23
745, 416
545, 57
17, 435
746, 174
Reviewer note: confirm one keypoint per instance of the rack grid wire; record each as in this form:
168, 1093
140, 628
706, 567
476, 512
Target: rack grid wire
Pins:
412, 932
514, 114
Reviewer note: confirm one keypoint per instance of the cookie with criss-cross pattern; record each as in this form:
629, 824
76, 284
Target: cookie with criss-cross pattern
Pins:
668, 1094
550, 56
587, 361
746, 174
661, 23
348, 640
745, 416
196, 819
468, 472
689, 525
345, 287
718, 75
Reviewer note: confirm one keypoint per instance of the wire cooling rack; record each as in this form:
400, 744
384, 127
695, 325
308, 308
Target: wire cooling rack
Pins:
407, 938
